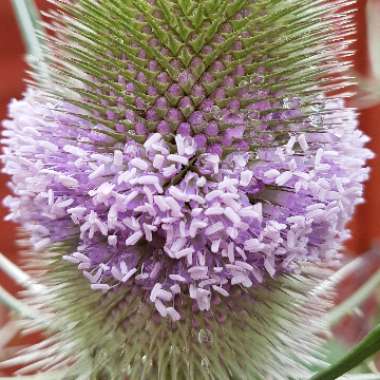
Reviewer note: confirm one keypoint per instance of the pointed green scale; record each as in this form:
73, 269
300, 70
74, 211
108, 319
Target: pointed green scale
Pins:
120, 38
129, 342
175, 20
185, 56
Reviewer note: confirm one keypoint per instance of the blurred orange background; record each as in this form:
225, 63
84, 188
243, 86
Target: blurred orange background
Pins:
366, 224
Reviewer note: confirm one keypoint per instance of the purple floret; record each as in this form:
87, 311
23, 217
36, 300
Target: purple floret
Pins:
183, 218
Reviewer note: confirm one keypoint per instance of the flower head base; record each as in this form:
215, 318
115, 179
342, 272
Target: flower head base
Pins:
183, 167
118, 335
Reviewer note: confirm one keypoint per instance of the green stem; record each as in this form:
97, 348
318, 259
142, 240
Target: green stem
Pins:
13, 271
54, 375
365, 376
18, 275
14, 304
342, 273
353, 301
31, 28
369, 346
28, 25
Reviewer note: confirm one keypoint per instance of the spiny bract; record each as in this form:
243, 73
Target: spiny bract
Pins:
181, 154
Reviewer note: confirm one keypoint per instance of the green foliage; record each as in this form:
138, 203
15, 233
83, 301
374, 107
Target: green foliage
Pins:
365, 349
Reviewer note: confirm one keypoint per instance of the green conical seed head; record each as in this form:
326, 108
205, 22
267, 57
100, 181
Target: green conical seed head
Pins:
138, 67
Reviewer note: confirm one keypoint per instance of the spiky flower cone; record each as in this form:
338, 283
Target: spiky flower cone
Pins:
184, 176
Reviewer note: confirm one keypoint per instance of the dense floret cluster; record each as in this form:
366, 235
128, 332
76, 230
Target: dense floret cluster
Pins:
174, 218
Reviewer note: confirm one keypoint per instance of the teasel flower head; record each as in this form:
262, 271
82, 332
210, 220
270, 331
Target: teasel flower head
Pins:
184, 176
